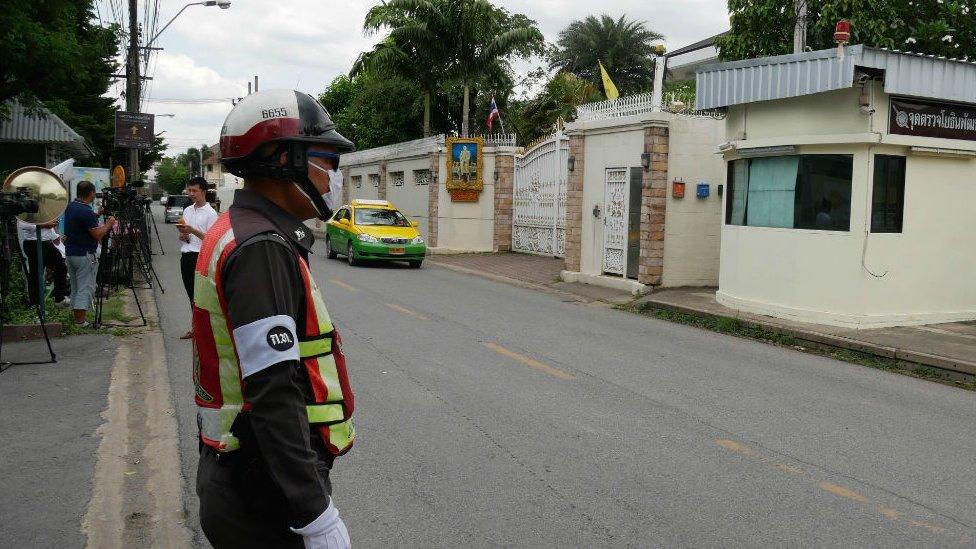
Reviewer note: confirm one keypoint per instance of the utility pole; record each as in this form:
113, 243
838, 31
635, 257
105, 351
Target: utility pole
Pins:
800, 30
133, 82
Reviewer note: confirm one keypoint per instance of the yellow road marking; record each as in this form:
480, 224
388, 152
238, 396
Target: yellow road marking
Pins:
927, 525
890, 513
343, 285
841, 491
531, 363
790, 470
406, 311
736, 447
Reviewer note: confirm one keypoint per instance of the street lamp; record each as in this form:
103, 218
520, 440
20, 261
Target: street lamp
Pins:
222, 4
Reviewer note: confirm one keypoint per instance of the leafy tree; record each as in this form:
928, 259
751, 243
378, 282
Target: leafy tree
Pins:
363, 112
171, 175
464, 43
765, 27
53, 54
625, 47
559, 98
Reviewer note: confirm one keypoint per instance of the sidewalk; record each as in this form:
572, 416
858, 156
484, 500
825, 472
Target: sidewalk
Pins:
950, 346
529, 271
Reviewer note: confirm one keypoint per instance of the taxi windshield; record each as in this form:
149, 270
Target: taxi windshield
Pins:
375, 216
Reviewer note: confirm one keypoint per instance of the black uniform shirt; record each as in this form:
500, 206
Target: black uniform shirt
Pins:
265, 304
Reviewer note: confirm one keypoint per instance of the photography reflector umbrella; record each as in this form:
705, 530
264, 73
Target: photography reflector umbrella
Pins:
42, 186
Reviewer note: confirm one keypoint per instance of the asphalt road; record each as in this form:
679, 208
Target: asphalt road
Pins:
490, 415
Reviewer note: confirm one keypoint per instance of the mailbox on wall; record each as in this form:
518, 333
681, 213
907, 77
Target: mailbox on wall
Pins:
703, 190
678, 189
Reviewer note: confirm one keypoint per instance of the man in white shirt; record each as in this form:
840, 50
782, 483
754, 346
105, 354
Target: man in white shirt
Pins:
52, 256
193, 226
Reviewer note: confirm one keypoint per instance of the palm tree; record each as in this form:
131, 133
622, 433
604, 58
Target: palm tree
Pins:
412, 52
623, 46
437, 42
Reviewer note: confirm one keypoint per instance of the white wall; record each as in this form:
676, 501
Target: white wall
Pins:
411, 199
468, 226
921, 275
693, 226
613, 147
366, 190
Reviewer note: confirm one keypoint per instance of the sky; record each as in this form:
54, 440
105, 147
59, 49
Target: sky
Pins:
212, 54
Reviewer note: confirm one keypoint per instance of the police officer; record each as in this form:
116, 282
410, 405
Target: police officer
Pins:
273, 398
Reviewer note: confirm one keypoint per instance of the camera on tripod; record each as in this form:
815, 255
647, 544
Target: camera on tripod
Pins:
115, 200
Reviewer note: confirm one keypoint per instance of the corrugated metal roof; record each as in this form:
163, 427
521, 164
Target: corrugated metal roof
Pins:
783, 76
24, 128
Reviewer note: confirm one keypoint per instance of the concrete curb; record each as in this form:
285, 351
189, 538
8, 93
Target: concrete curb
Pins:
838, 342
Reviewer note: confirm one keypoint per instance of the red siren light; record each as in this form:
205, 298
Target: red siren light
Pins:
842, 32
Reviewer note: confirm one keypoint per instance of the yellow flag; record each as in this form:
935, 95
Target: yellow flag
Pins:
608, 88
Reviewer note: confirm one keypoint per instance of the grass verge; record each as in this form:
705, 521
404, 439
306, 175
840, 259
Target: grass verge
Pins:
736, 327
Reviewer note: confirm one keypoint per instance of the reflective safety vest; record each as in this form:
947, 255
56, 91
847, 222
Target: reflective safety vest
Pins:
216, 372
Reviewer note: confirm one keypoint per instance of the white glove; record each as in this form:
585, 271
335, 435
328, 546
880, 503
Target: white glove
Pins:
326, 532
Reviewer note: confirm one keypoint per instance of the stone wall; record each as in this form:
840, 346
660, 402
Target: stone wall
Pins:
433, 189
574, 203
653, 206
505, 170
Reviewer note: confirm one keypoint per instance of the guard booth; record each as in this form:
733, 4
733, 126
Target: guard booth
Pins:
850, 186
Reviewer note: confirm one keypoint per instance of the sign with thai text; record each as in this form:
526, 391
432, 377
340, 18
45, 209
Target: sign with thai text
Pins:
133, 130
931, 119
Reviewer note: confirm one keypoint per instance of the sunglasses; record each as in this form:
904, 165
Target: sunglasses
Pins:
331, 156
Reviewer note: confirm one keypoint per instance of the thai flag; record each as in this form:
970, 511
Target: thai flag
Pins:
493, 115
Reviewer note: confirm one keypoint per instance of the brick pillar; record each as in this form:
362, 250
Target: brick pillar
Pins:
433, 194
654, 190
381, 190
505, 168
574, 203
346, 183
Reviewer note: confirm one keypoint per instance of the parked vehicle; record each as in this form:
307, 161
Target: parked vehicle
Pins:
374, 230
163, 199
175, 206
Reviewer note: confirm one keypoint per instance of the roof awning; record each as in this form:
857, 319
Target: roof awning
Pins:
45, 128
794, 75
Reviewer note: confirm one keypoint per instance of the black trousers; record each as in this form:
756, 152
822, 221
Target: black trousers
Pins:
188, 262
52, 260
240, 506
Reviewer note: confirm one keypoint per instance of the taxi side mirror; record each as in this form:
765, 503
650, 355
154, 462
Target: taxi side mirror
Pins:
344, 221
414, 224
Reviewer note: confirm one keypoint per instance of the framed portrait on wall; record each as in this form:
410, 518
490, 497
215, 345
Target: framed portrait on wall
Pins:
464, 177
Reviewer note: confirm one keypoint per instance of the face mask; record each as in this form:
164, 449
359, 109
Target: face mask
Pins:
332, 198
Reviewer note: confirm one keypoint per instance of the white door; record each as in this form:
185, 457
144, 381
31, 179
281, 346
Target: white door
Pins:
615, 222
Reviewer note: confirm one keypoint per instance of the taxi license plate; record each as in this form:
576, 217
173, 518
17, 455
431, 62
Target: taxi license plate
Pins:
397, 251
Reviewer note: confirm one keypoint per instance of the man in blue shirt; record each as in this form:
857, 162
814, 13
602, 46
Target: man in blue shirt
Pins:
82, 234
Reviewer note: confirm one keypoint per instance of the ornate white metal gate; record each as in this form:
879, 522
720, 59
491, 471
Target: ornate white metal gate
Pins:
539, 198
615, 221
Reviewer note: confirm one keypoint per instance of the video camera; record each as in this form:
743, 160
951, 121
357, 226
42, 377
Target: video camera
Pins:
17, 202
116, 199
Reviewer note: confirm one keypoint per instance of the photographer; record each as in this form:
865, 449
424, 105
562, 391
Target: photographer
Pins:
82, 234
193, 226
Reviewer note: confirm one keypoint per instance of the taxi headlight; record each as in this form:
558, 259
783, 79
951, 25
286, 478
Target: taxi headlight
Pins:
363, 237
417, 240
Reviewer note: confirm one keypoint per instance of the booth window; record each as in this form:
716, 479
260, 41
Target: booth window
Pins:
888, 196
810, 191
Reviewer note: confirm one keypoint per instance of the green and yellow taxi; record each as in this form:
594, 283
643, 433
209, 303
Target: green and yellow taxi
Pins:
374, 230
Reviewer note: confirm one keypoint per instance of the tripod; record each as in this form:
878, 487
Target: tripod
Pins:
126, 251
6, 224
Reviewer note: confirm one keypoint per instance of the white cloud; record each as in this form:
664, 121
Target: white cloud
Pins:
304, 44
